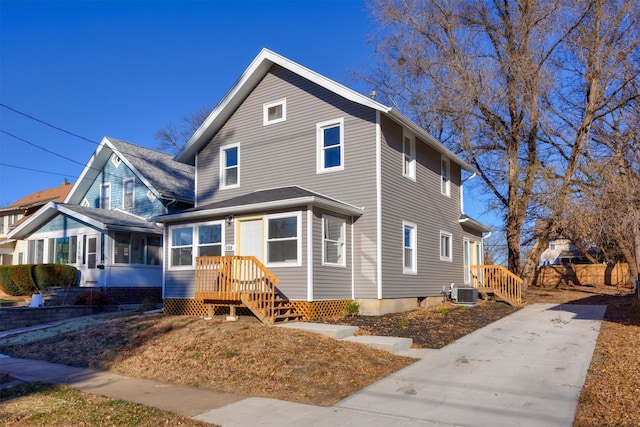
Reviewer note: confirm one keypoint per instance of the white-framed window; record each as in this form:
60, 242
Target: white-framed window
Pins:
137, 249
35, 251
445, 176
409, 157
274, 112
284, 243
409, 248
66, 249
333, 240
188, 241
230, 166
330, 143
552, 245
128, 196
445, 246
116, 160
105, 196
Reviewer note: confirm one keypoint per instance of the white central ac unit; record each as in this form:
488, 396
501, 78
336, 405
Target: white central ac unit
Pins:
464, 295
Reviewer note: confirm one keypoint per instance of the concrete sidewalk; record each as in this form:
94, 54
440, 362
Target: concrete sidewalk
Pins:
526, 369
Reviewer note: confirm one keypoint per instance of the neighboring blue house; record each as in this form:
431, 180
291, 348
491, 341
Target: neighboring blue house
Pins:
102, 226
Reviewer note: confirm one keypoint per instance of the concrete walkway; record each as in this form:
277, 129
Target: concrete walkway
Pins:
526, 369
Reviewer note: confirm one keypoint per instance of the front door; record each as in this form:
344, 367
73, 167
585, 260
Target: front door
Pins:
251, 239
90, 268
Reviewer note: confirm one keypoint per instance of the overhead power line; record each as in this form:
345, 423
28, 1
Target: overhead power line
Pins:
33, 170
49, 124
40, 147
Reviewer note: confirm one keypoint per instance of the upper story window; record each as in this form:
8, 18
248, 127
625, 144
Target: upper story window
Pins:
409, 157
274, 112
330, 142
230, 166
333, 240
128, 186
190, 241
445, 175
409, 254
2, 224
552, 245
105, 196
283, 240
445, 246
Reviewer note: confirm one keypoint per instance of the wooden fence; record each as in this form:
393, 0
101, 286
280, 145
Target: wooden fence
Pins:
584, 275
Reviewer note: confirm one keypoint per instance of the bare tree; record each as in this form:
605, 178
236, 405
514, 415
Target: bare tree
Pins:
515, 87
172, 137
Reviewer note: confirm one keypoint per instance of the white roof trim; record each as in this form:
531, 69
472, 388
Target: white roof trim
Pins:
331, 205
258, 68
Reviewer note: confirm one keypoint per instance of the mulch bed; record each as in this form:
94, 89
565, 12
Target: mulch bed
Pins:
430, 327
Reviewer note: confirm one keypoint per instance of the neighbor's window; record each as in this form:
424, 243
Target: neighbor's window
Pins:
409, 158
274, 112
445, 246
445, 174
330, 142
230, 166
552, 245
333, 240
409, 254
283, 243
105, 196
128, 186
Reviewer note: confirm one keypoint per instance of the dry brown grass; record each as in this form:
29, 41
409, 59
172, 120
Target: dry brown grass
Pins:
250, 359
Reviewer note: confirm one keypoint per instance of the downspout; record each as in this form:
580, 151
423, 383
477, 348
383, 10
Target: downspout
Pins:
378, 205
309, 253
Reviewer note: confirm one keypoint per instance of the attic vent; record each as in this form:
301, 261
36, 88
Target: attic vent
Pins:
115, 160
85, 203
151, 196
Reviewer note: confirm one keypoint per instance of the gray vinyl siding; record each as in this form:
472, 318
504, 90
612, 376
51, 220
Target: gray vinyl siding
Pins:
284, 154
293, 280
421, 203
330, 282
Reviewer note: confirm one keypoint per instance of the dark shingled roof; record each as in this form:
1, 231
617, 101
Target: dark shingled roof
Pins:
172, 179
113, 219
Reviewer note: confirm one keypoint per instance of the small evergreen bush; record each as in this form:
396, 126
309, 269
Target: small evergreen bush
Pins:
26, 279
6, 283
22, 276
47, 275
352, 308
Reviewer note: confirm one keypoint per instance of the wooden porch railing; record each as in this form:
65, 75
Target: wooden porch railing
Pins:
237, 280
499, 280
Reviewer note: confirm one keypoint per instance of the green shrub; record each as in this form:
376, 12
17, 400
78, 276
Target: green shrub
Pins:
22, 276
6, 283
93, 298
26, 279
47, 275
352, 308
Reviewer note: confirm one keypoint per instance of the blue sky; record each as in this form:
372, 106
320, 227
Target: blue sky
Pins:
125, 69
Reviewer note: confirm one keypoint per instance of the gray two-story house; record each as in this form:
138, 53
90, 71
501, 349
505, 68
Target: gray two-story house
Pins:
339, 197
102, 227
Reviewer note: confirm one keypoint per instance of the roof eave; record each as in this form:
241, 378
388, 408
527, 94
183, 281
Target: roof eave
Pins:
429, 139
249, 79
262, 206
